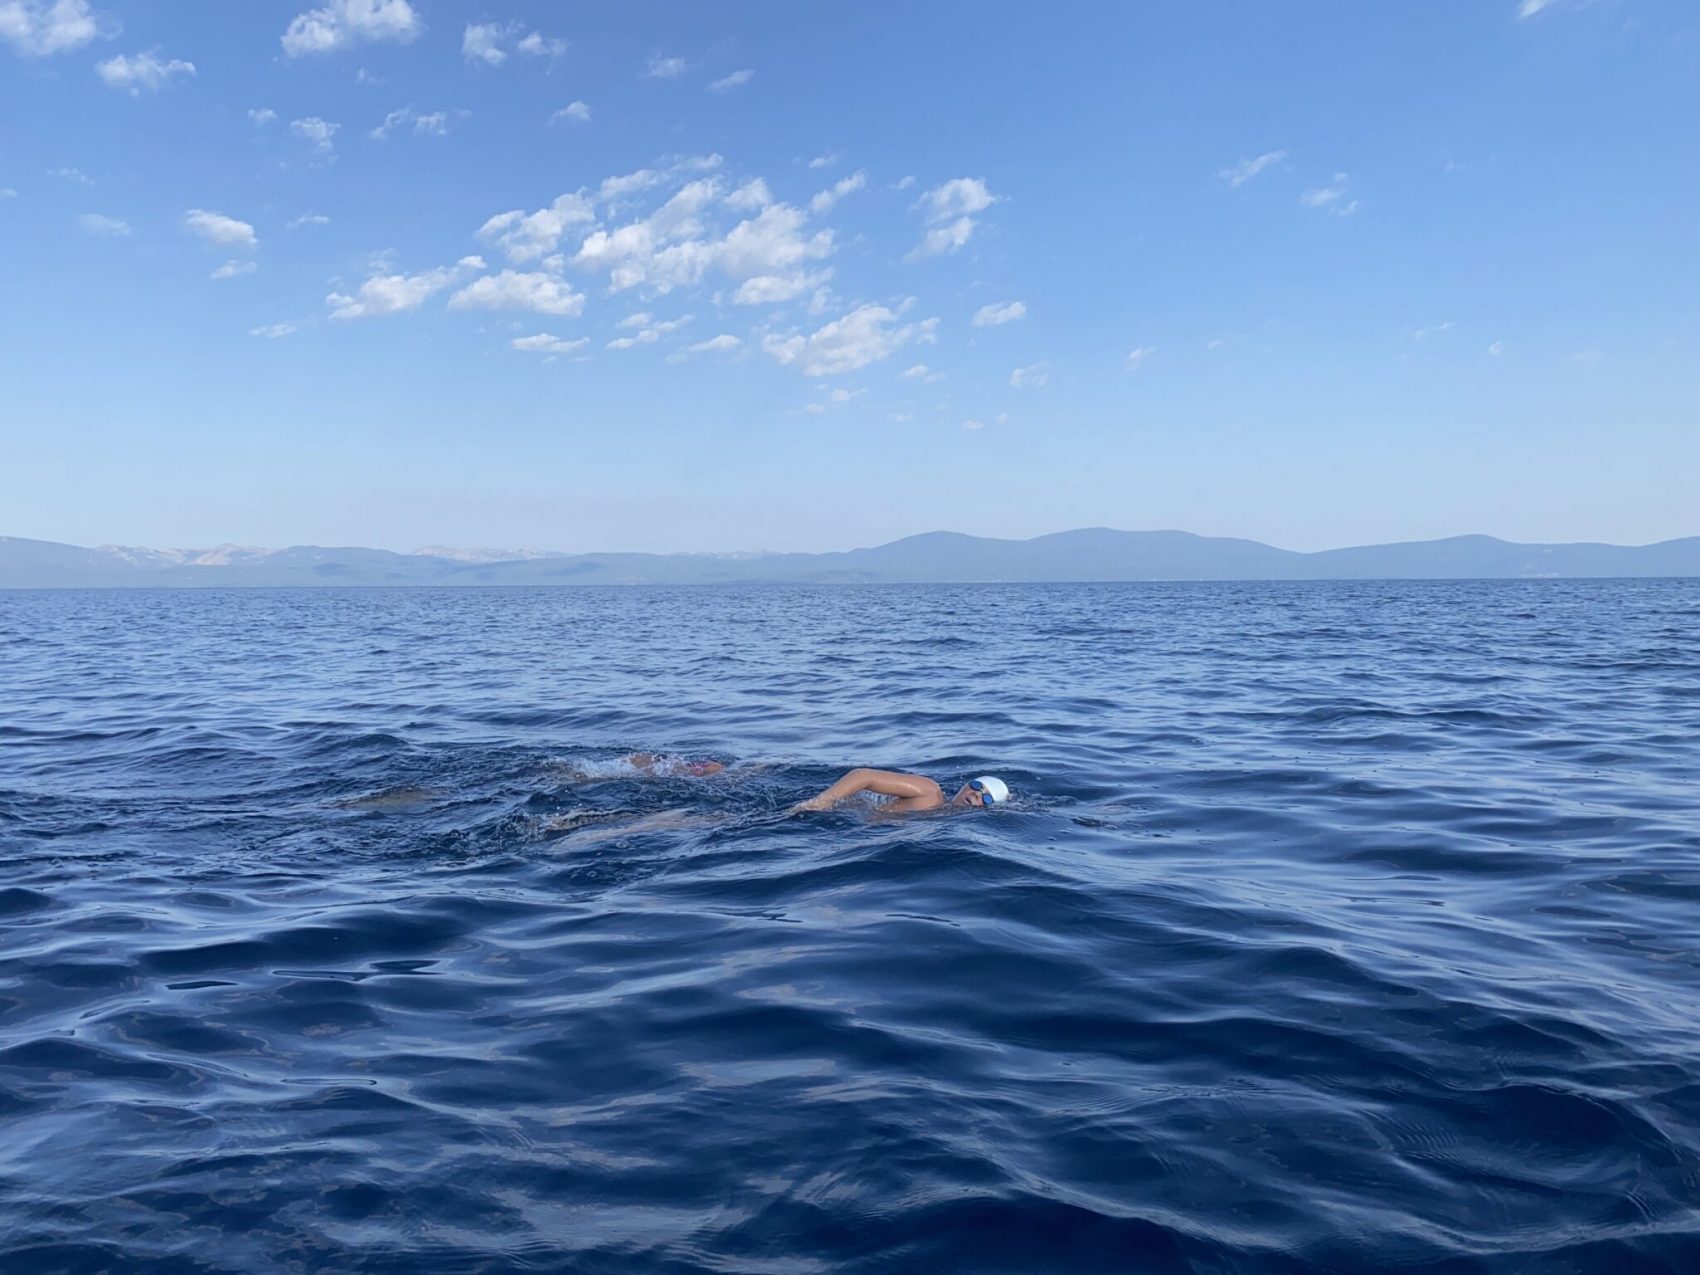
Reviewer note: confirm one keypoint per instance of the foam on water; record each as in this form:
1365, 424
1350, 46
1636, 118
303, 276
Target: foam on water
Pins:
1336, 926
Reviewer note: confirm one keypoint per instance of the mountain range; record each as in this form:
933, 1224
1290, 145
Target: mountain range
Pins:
1091, 554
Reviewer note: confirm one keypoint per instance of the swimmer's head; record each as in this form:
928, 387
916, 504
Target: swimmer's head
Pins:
985, 791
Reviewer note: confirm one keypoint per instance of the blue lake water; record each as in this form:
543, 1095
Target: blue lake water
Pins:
1333, 927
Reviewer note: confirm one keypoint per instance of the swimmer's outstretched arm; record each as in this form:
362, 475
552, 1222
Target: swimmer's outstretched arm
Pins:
888, 783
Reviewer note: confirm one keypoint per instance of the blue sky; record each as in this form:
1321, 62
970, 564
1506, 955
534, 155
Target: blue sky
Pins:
752, 275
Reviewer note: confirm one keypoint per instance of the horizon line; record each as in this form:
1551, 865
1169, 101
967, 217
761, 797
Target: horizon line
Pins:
526, 553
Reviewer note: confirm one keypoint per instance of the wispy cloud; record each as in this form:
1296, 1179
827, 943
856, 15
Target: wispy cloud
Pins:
1334, 198
1137, 357
230, 269
309, 219
216, 228
1239, 174
824, 201
344, 23
398, 293
103, 227
664, 68
722, 344
538, 45
482, 42
736, 80
571, 113
866, 335
548, 343
951, 213
272, 331
434, 124
992, 316
536, 291
142, 73
1034, 374
316, 131
72, 175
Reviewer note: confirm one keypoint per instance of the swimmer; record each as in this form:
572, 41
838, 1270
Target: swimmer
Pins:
910, 792
651, 763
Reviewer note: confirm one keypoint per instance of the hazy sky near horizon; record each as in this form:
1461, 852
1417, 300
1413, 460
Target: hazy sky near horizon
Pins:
745, 275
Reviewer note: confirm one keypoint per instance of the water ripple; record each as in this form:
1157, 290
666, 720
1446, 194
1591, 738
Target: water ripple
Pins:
1335, 927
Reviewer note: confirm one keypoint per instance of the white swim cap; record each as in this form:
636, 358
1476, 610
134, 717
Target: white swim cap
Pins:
994, 788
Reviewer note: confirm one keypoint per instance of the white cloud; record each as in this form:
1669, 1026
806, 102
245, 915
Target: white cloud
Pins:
272, 331
1136, 357
315, 130
72, 175
548, 343
615, 190
343, 23
1332, 198
641, 319
1036, 374
262, 116
572, 113
1529, 8
673, 247
538, 45
866, 335
102, 227
660, 68
435, 124
218, 229
482, 42
144, 72
904, 183
824, 201
524, 236
651, 332
717, 344
1239, 174
517, 290
973, 424
950, 211
309, 219
775, 289
1214, 343
1423, 333
916, 373
41, 28
230, 269
823, 161
1497, 348
991, 316
750, 197
6, 192
733, 81
396, 293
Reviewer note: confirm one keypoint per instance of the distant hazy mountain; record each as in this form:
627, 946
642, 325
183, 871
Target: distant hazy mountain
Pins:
941, 556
